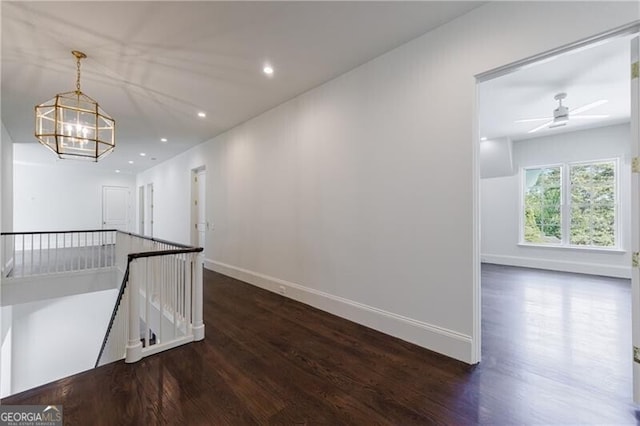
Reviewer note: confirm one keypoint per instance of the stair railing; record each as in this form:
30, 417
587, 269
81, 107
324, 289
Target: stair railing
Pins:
159, 303
53, 252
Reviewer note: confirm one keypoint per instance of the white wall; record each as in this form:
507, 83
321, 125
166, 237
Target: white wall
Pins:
6, 180
6, 189
6, 315
50, 342
41, 287
358, 196
6, 225
500, 204
63, 194
496, 157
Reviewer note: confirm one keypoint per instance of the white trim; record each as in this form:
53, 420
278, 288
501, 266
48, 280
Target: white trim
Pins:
430, 336
620, 31
559, 265
476, 331
589, 249
193, 209
161, 347
634, 91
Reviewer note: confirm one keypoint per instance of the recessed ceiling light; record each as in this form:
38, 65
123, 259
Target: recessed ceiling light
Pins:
142, 154
484, 138
163, 140
268, 70
130, 161
117, 171
202, 114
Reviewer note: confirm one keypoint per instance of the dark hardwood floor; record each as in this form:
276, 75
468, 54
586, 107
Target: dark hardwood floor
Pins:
556, 350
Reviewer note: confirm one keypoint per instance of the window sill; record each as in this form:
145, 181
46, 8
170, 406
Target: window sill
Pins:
614, 250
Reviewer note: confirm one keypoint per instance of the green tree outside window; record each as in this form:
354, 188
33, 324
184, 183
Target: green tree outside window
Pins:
543, 195
591, 209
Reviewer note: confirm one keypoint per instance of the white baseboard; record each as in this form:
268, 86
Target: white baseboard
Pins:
438, 339
559, 265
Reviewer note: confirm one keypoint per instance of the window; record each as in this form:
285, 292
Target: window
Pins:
572, 204
542, 206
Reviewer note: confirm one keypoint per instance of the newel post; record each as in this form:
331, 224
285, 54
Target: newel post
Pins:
134, 345
198, 324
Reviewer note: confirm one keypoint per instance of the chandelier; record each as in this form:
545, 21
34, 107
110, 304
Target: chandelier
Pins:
73, 125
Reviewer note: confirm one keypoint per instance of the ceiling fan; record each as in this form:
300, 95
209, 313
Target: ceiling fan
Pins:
561, 114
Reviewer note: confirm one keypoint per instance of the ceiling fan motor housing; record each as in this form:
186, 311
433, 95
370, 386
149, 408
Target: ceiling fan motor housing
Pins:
560, 116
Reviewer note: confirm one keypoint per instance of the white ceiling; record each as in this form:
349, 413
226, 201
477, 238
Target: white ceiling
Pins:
600, 71
154, 65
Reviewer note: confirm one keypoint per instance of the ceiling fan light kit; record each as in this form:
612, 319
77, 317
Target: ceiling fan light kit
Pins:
73, 125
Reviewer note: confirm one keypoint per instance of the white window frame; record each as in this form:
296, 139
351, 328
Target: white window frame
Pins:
565, 205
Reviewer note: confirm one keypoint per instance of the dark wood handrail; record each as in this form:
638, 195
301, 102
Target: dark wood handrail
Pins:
157, 240
123, 285
142, 254
59, 232
133, 234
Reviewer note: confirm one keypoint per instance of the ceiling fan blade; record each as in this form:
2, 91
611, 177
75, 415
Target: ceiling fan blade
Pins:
530, 120
540, 127
590, 116
588, 106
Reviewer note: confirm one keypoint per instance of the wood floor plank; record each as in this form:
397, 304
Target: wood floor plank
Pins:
555, 351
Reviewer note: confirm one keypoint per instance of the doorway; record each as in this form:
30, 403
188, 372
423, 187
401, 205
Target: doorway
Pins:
149, 211
141, 210
537, 174
199, 224
115, 208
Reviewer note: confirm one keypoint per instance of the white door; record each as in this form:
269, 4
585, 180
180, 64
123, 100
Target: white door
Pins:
141, 210
198, 211
149, 210
202, 221
115, 207
635, 215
